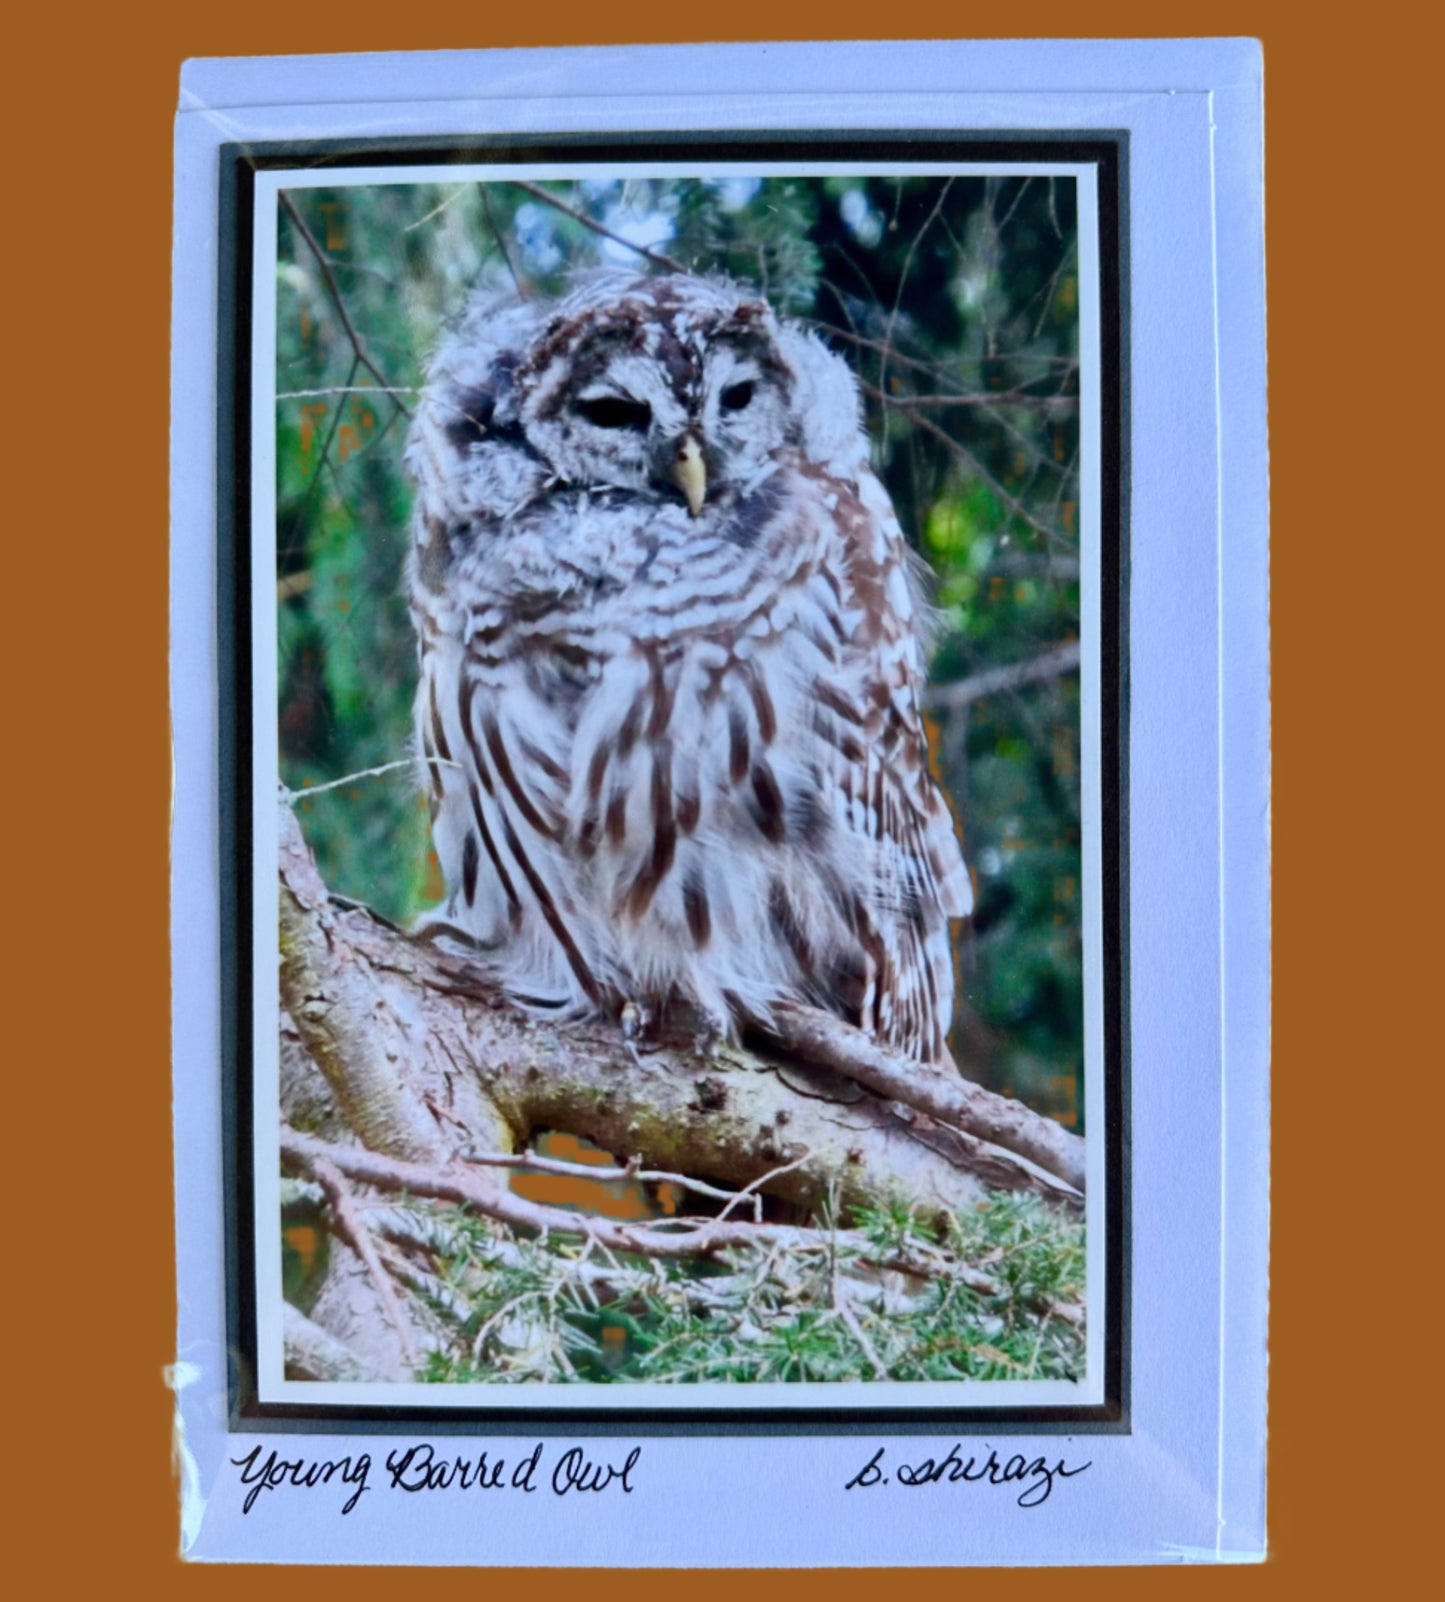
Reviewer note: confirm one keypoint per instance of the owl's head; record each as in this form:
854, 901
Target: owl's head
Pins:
675, 388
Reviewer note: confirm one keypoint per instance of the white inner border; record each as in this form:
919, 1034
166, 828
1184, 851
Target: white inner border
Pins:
272, 1386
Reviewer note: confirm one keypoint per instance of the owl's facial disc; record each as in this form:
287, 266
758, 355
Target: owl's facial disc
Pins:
690, 409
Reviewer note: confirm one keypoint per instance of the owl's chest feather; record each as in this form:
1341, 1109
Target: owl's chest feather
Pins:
603, 572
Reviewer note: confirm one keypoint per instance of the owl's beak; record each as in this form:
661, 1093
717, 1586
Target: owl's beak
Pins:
689, 473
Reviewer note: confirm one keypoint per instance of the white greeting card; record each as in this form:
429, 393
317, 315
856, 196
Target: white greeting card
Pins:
721, 860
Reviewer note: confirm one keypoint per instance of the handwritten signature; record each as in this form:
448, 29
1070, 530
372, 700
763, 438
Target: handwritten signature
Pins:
1035, 1476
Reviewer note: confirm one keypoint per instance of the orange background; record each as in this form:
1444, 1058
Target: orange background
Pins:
1355, 437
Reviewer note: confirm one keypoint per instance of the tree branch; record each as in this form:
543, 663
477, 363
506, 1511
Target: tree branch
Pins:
1060, 404
968, 1109
454, 1183
681, 1238
425, 1060
1053, 664
313, 1353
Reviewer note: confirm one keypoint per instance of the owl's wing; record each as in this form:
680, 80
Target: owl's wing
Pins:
895, 850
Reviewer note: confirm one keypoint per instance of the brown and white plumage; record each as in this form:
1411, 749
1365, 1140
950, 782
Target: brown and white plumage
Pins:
671, 667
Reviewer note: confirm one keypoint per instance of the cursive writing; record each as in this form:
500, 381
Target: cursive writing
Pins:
273, 1471
420, 1467
1035, 1476
575, 1472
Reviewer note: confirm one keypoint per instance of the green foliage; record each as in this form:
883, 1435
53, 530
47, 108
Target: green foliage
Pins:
956, 301
509, 1311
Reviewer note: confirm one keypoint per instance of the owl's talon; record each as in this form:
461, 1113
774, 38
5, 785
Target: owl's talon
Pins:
709, 1038
635, 1019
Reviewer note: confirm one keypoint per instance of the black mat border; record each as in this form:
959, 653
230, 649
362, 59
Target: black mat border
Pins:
1108, 152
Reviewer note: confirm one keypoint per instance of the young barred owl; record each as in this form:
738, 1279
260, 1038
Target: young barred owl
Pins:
671, 667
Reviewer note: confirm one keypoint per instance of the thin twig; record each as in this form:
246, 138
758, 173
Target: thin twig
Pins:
323, 460
971, 461
855, 1328
373, 443
346, 389
903, 359
841, 1304
436, 211
334, 289
1039, 1343
453, 1184
1024, 564
1045, 296
1053, 664
655, 256
998, 397
358, 1237
903, 274
757, 1184
498, 1316
524, 291
291, 797
555, 1165
1008, 215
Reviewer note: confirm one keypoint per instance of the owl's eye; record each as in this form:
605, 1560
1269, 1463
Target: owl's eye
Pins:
736, 396
613, 411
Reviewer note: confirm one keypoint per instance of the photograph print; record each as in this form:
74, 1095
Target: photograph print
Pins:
677, 731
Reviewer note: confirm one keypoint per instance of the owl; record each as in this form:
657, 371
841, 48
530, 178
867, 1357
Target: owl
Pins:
671, 659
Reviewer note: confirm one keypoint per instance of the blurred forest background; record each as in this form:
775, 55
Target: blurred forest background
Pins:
955, 300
